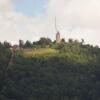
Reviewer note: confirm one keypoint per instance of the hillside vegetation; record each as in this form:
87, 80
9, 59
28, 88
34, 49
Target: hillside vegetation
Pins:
38, 52
65, 71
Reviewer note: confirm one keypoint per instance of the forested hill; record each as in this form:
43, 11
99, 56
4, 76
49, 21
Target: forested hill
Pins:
49, 71
72, 50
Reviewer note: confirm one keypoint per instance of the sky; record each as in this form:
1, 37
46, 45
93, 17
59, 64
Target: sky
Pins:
30, 7
32, 19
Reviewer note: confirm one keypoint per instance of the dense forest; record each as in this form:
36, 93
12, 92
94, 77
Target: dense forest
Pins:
65, 71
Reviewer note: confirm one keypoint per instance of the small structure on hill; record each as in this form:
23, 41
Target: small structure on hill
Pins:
58, 40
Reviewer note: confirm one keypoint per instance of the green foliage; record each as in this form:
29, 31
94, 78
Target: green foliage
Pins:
21, 43
7, 44
75, 51
51, 78
44, 41
63, 40
28, 44
37, 52
65, 71
5, 55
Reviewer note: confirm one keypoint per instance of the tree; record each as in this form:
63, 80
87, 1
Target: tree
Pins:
7, 44
44, 41
82, 41
28, 44
63, 40
76, 41
21, 44
70, 40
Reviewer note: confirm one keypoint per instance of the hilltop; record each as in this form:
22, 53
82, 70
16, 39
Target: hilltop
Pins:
73, 50
51, 71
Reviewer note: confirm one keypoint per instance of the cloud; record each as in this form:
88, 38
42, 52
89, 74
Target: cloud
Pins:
14, 25
82, 17
75, 19
77, 12
5, 6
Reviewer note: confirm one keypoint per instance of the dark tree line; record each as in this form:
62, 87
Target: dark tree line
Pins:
28, 44
53, 78
5, 55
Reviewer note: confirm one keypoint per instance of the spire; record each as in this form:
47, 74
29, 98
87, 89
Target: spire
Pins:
55, 24
57, 32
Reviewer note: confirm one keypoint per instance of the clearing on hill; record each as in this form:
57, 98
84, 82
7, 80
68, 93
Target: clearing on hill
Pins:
39, 52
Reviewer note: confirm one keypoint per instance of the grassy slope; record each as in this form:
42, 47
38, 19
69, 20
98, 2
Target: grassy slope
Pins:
49, 52
39, 52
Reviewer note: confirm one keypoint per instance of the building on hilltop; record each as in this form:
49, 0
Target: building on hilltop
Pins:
58, 40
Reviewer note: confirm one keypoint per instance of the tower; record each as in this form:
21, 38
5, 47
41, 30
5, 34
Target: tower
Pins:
58, 40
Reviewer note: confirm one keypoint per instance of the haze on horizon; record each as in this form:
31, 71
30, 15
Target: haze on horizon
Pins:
32, 19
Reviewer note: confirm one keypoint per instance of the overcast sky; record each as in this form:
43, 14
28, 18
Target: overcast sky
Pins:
32, 19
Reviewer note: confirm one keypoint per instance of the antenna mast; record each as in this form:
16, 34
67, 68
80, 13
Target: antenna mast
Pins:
55, 24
